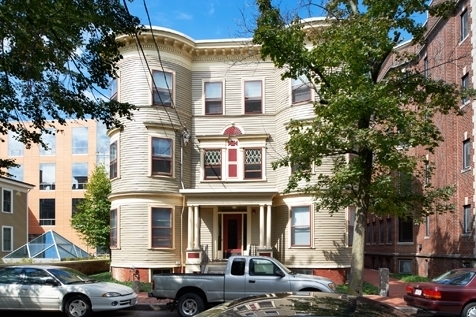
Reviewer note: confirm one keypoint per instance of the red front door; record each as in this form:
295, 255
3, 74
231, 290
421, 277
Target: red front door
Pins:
232, 234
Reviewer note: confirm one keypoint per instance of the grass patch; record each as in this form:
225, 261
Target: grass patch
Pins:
367, 289
407, 278
107, 277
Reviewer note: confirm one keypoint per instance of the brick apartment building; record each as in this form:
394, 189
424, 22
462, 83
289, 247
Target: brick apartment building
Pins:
439, 242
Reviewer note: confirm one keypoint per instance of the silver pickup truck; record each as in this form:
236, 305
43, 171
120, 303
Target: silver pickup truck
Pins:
243, 276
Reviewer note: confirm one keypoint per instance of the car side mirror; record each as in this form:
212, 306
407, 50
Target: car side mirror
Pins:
279, 273
51, 281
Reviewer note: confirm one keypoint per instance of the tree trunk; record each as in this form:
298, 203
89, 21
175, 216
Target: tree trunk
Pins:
357, 259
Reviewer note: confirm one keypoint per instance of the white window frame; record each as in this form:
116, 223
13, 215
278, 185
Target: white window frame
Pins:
204, 97
152, 86
220, 177
467, 219
465, 86
294, 83
172, 157
11, 200
466, 155
263, 93
11, 238
114, 140
118, 229
310, 245
172, 227
464, 24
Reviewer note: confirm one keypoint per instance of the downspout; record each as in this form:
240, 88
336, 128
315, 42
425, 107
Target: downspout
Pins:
185, 138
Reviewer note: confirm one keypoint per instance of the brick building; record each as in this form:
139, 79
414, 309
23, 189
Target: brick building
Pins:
439, 242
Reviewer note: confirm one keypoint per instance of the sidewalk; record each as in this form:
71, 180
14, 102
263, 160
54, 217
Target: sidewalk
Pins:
395, 298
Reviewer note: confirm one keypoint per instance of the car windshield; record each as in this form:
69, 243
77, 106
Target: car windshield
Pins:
455, 277
70, 276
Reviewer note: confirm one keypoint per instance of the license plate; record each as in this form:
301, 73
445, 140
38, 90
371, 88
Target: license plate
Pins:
417, 292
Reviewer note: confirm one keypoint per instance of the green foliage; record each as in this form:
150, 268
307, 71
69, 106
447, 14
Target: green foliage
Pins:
410, 278
107, 277
55, 54
367, 289
365, 122
92, 219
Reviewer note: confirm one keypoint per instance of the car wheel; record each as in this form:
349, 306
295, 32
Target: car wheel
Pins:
190, 305
469, 310
77, 306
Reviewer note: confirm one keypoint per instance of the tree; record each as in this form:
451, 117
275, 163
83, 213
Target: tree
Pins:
92, 219
367, 125
55, 57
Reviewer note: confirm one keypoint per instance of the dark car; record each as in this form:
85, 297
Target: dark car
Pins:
303, 304
453, 293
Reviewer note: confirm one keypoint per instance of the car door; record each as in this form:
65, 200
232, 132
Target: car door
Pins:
10, 288
265, 277
37, 291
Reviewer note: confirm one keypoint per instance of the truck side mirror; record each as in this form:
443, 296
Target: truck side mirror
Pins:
278, 272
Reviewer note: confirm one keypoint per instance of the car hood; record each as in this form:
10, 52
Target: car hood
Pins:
317, 278
304, 304
99, 288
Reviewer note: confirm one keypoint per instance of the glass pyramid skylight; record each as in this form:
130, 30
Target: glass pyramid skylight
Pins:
48, 247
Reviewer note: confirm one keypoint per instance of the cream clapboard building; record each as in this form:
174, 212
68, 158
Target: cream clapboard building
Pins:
192, 179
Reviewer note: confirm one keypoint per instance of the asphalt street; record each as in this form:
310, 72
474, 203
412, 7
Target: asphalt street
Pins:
119, 313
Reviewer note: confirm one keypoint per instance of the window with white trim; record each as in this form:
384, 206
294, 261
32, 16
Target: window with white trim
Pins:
253, 94
301, 91
253, 164
464, 25
464, 88
7, 201
466, 154
7, 239
113, 227
162, 88
162, 156
161, 227
213, 97
212, 163
301, 226
467, 224
113, 160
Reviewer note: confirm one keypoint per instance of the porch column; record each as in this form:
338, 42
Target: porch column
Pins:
268, 227
190, 228
261, 225
196, 237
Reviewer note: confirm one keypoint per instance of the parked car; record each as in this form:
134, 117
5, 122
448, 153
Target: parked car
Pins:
303, 304
243, 275
453, 293
42, 287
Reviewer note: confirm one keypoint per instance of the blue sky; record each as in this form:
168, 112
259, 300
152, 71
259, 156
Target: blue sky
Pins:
210, 19
200, 19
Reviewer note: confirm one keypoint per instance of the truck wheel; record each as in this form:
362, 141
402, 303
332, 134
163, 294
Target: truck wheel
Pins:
189, 305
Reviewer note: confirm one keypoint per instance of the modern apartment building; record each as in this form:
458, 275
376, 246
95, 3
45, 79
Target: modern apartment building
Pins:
191, 175
59, 174
439, 242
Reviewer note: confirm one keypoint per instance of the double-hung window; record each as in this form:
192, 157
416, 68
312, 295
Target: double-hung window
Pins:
253, 97
301, 91
7, 201
162, 156
7, 239
213, 98
161, 227
212, 164
162, 88
466, 154
113, 233
464, 25
464, 87
467, 219
301, 226
253, 164
113, 160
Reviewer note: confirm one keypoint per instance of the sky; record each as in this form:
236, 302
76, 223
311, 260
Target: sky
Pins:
202, 19
210, 19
